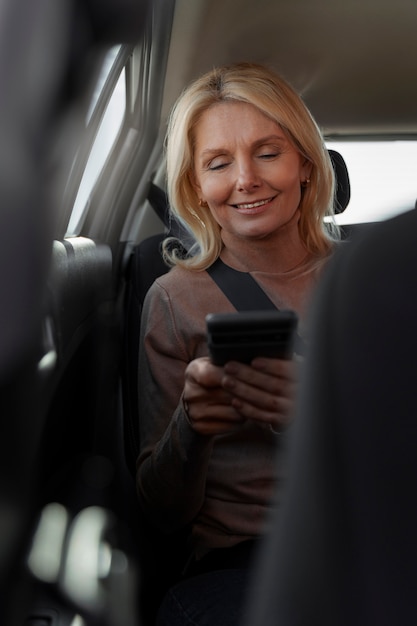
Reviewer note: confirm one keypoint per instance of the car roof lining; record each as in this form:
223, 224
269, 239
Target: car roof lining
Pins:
353, 62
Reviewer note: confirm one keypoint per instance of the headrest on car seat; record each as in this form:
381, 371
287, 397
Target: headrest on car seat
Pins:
342, 181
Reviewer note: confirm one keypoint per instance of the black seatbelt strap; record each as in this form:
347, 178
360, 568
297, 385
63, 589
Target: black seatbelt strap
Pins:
158, 200
240, 287
245, 293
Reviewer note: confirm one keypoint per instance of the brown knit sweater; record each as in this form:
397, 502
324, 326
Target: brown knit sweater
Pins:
220, 485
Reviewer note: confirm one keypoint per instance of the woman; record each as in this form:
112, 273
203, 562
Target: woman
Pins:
249, 175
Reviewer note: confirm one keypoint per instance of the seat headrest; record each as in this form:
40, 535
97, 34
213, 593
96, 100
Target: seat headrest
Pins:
342, 181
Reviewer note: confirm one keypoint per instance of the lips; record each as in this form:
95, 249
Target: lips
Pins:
249, 206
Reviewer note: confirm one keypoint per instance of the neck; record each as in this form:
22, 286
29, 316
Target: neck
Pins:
280, 252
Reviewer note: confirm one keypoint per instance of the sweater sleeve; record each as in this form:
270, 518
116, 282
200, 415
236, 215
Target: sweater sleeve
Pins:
173, 459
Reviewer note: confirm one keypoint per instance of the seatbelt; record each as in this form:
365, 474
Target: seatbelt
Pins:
245, 293
158, 200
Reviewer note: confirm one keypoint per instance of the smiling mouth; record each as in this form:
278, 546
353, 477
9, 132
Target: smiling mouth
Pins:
252, 205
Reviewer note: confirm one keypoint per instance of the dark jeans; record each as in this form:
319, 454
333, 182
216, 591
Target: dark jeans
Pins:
213, 592
211, 599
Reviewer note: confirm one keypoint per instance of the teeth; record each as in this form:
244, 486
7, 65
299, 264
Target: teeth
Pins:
252, 205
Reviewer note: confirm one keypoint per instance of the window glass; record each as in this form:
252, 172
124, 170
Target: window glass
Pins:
382, 178
106, 136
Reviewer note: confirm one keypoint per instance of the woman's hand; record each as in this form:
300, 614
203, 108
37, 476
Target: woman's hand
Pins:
219, 399
209, 404
263, 391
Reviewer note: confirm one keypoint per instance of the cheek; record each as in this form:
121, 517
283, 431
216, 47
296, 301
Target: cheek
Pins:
297, 193
291, 188
293, 181
215, 190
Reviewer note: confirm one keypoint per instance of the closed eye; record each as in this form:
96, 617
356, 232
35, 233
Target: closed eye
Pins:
270, 155
217, 165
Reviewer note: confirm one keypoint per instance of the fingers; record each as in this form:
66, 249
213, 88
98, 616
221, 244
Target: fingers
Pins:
202, 372
262, 378
258, 371
219, 399
263, 391
277, 417
208, 404
213, 416
214, 419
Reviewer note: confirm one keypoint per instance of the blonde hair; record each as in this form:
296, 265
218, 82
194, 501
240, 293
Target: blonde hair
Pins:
274, 97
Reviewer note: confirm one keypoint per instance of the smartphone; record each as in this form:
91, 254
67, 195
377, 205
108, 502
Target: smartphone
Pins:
248, 334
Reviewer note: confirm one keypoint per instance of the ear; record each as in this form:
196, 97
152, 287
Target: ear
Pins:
306, 169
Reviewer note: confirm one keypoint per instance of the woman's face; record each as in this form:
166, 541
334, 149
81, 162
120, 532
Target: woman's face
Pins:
247, 171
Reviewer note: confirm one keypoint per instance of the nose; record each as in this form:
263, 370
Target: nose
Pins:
247, 176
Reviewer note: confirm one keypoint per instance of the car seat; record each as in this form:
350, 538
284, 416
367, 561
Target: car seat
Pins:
342, 548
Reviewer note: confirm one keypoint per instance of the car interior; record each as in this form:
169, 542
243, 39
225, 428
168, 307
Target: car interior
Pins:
87, 87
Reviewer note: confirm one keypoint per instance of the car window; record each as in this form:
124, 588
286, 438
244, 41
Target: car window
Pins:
382, 178
106, 136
